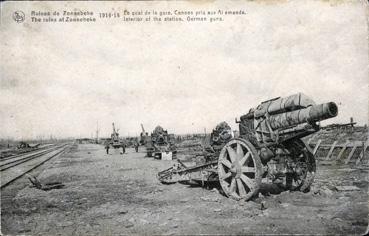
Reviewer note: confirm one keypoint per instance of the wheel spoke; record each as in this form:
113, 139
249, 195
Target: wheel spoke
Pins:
221, 171
249, 183
226, 175
226, 163
245, 169
239, 150
232, 188
241, 188
232, 154
244, 158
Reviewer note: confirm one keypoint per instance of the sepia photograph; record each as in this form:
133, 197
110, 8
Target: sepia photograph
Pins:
184, 117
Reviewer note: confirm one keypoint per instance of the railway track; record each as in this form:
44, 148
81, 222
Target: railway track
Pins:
12, 156
14, 168
9, 163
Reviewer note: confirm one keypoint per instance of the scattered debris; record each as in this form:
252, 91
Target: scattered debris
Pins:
179, 208
263, 206
64, 224
122, 212
207, 199
326, 191
46, 187
215, 190
360, 184
347, 188
129, 225
323, 190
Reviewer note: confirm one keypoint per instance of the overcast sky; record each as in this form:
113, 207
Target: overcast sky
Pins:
60, 79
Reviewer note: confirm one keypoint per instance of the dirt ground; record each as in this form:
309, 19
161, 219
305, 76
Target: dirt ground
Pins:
119, 194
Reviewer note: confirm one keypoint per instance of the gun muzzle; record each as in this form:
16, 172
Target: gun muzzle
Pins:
306, 115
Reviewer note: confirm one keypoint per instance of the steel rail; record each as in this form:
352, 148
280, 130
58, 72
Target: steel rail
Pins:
63, 149
27, 158
26, 153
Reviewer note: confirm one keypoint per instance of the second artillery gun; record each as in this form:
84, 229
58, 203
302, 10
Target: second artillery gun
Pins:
115, 141
161, 144
144, 136
269, 147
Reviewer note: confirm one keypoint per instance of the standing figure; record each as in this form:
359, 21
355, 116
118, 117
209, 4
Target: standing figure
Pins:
107, 146
136, 146
124, 148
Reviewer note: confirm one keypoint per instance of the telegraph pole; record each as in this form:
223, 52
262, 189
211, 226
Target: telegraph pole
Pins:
97, 131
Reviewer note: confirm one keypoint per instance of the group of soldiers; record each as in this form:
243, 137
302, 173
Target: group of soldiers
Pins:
123, 146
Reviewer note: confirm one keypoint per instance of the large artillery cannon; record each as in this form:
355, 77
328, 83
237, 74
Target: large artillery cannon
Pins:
220, 136
269, 147
160, 144
143, 136
115, 141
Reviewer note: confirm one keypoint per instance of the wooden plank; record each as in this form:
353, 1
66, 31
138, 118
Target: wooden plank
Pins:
351, 144
351, 153
331, 150
342, 150
316, 147
364, 150
362, 154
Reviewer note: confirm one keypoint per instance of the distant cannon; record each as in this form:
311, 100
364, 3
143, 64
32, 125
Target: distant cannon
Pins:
115, 141
269, 146
160, 144
219, 136
143, 136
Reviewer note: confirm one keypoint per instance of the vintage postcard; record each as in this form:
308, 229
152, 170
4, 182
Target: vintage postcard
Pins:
184, 117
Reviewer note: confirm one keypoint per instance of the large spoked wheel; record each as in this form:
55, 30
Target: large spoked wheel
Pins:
305, 168
239, 169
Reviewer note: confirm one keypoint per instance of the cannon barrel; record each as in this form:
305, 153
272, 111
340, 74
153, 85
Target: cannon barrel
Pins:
309, 114
281, 105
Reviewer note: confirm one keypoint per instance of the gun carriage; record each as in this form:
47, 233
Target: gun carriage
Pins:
269, 147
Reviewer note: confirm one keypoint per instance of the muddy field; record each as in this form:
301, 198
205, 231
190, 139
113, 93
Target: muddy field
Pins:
119, 194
